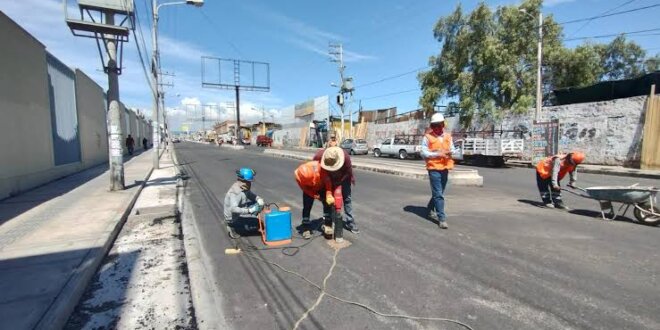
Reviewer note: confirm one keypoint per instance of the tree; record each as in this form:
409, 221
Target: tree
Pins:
487, 61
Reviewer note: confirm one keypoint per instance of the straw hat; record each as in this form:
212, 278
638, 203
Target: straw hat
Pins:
333, 159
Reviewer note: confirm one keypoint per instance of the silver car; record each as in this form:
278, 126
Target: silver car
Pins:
355, 146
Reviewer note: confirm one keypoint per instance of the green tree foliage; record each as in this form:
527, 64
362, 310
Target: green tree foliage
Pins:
487, 61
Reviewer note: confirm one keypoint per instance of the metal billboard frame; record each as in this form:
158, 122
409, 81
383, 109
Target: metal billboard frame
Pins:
236, 73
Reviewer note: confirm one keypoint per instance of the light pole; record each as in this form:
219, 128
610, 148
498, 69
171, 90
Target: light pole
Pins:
539, 57
155, 67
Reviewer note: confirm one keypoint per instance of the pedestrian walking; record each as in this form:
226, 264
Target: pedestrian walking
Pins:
144, 143
240, 201
346, 179
130, 144
437, 148
549, 173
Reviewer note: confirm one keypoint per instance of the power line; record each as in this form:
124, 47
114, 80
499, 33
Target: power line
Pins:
390, 94
392, 77
609, 15
137, 44
612, 35
603, 13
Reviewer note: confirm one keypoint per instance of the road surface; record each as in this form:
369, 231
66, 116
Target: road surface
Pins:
504, 263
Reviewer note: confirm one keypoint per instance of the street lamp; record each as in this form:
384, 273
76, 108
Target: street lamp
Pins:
539, 55
155, 66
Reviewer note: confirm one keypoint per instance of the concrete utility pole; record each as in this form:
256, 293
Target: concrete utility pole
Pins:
154, 84
114, 113
155, 68
337, 53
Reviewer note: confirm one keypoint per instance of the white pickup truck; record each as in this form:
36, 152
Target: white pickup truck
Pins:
402, 147
488, 151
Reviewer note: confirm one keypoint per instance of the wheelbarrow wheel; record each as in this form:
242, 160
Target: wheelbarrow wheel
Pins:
646, 218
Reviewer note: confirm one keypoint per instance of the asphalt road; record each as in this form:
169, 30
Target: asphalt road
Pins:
504, 263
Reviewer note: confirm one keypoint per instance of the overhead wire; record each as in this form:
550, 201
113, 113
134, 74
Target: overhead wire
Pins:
389, 94
231, 44
139, 50
603, 13
392, 77
612, 35
609, 15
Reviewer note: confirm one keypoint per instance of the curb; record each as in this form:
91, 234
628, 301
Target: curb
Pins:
66, 301
203, 299
468, 180
632, 173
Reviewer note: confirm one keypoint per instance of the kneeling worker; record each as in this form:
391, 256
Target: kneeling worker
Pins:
240, 200
549, 173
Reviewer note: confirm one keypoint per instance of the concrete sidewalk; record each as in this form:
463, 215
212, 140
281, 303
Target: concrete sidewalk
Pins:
146, 267
601, 169
53, 238
458, 176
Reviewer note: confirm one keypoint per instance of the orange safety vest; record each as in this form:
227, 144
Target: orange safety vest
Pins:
544, 167
308, 177
439, 143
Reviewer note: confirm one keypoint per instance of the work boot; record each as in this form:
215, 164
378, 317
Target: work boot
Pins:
305, 230
549, 205
352, 227
232, 233
443, 224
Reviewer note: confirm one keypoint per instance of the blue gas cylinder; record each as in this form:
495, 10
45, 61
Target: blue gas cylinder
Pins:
277, 225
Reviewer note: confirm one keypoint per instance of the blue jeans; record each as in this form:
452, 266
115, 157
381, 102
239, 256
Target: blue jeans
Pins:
438, 185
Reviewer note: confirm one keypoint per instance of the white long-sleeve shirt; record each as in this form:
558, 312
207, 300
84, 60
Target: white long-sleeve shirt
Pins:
237, 201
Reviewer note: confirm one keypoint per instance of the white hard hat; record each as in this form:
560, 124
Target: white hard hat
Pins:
437, 118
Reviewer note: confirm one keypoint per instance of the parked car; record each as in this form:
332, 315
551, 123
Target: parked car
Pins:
176, 140
355, 146
264, 141
402, 147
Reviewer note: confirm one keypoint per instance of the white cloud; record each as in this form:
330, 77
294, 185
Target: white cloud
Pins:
307, 37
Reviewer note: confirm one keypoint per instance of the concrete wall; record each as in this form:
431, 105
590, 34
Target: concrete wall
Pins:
92, 119
25, 127
609, 132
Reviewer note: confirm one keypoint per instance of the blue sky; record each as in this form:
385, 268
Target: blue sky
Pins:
381, 39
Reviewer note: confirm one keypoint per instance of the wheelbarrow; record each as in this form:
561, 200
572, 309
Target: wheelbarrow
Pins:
646, 210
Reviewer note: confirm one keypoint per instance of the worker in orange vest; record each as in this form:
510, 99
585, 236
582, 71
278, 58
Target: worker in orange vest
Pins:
437, 148
549, 173
316, 183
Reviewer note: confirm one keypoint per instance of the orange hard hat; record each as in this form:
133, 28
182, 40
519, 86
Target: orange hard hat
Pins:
577, 157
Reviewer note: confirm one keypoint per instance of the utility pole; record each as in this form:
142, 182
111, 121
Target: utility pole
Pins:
115, 113
337, 55
539, 57
263, 120
154, 82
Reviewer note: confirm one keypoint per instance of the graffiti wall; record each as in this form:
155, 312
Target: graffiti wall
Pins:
609, 132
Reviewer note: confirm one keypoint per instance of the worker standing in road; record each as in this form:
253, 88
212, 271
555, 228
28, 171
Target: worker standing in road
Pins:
549, 173
437, 148
345, 174
241, 201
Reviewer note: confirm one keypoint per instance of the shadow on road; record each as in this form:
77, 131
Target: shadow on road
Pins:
531, 202
420, 211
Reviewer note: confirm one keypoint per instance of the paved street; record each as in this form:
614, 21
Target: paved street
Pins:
503, 264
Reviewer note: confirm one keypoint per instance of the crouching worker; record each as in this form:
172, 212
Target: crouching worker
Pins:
549, 173
240, 201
